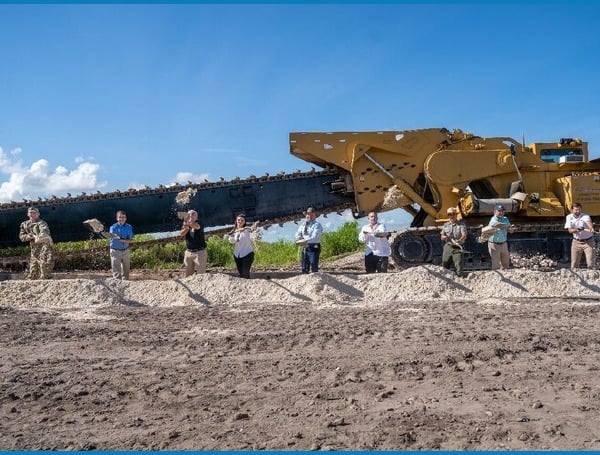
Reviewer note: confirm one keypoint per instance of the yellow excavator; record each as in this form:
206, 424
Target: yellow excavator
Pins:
427, 171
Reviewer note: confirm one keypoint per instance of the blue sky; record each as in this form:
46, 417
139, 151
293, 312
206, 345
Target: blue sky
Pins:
104, 97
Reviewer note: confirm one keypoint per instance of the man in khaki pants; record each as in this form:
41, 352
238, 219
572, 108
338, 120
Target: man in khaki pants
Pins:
580, 225
497, 242
195, 257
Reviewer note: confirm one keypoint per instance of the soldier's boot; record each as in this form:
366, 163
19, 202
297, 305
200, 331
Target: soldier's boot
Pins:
34, 271
33, 276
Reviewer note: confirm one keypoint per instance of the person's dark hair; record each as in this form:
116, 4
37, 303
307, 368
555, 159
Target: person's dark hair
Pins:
576, 204
241, 215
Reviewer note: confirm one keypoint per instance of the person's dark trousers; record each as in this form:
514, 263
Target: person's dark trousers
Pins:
376, 264
244, 264
453, 255
310, 258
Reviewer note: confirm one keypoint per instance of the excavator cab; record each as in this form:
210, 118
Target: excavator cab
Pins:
566, 150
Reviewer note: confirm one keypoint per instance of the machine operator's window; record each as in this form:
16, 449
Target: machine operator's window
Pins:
553, 155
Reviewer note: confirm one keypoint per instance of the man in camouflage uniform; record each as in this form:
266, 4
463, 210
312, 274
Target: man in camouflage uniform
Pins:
37, 233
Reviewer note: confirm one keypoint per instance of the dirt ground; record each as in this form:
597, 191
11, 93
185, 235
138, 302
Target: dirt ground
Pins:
482, 373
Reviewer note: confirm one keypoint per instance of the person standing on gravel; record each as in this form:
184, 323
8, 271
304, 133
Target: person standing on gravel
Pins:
121, 236
195, 257
497, 241
377, 245
37, 233
454, 234
580, 225
308, 237
243, 251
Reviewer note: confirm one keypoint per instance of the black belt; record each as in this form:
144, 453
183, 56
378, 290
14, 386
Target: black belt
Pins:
313, 244
195, 251
584, 240
497, 243
120, 249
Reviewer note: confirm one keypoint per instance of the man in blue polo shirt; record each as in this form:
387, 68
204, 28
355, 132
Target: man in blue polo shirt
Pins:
122, 235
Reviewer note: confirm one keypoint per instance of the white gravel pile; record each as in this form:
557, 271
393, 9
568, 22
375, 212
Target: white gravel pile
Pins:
213, 289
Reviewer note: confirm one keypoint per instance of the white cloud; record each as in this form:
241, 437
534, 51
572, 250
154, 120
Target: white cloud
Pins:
39, 180
185, 177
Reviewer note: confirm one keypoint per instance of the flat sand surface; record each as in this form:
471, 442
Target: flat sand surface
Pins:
410, 360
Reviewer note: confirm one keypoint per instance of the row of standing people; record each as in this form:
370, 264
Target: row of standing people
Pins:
36, 232
196, 257
374, 235
377, 247
308, 236
454, 235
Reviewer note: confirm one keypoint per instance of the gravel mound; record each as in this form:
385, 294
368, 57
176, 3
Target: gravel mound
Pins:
212, 289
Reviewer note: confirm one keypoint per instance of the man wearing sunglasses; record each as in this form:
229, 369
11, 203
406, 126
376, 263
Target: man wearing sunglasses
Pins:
497, 242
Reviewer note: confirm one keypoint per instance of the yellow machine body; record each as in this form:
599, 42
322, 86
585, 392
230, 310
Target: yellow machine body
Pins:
427, 171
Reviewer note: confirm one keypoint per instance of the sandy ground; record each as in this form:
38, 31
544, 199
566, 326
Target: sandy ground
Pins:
410, 360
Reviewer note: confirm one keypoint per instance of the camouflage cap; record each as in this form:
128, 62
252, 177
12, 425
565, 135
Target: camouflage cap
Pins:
33, 209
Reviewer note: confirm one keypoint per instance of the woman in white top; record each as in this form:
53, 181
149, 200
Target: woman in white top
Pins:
243, 251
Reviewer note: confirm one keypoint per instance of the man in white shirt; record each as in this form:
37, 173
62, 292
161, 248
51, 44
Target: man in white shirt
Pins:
377, 245
308, 237
580, 225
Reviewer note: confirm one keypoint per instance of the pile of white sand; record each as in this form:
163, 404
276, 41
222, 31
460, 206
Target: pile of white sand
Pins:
424, 283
